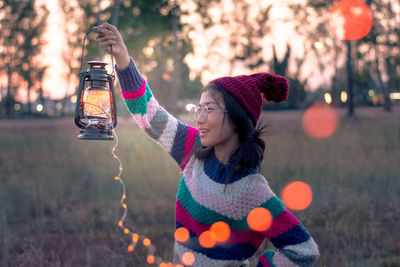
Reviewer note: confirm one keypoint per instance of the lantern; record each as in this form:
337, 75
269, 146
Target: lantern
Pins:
95, 111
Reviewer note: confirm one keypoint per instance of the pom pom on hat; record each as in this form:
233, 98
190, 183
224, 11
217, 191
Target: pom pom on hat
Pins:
250, 90
273, 87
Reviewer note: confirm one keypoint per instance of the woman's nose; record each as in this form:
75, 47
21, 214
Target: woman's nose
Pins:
199, 120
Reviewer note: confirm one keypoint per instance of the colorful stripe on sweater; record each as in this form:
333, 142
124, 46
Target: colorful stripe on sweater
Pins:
203, 199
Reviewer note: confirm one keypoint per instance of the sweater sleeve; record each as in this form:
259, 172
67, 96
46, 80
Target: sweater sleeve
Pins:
177, 138
294, 245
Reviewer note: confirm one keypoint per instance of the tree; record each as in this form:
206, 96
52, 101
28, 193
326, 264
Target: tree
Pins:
31, 69
383, 41
21, 29
297, 93
241, 28
378, 51
238, 33
72, 50
146, 27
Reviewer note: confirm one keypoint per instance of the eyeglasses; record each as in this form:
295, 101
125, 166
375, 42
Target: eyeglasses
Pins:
201, 112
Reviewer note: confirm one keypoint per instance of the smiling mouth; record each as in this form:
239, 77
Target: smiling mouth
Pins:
203, 132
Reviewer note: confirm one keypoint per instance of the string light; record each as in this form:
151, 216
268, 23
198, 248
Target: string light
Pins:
219, 231
135, 237
97, 103
150, 259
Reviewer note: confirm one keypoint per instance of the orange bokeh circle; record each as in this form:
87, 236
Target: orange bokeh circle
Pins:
320, 121
135, 238
181, 234
352, 19
207, 239
188, 258
297, 195
221, 231
146, 242
259, 219
150, 259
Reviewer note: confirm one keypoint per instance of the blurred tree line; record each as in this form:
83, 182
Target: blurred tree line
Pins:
152, 32
159, 42
246, 25
376, 57
22, 24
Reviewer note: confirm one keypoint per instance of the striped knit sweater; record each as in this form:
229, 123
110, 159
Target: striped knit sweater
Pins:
203, 199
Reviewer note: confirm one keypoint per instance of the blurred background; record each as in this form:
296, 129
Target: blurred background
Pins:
339, 131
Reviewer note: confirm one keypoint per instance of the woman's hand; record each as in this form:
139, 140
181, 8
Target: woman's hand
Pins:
107, 36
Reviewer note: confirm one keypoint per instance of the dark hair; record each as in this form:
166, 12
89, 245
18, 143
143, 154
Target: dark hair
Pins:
251, 148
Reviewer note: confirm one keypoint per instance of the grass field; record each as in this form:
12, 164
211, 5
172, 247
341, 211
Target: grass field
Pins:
59, 203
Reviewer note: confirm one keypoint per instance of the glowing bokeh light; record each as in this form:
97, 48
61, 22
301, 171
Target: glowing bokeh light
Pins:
221, 231
259, 219
394, 96
17, 107
207, 239
188, 258
130, 248
328, 98
126, 231
319, 45
343, 96
371, 93
178, 265
73, 99
163, 264
39, 107
189, 107
297, 195
352, 19
146, 242
135, 238
97, 103
320, 121
181, 234
150, 259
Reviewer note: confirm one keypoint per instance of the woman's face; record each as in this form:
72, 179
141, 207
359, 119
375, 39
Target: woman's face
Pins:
215, 129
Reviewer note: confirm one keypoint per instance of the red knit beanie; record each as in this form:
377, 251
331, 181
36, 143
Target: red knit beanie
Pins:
250, 90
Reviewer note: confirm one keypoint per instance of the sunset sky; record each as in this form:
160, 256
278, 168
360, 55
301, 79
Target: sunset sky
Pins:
55, 75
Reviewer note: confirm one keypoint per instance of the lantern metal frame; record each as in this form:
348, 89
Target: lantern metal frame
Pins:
97, 128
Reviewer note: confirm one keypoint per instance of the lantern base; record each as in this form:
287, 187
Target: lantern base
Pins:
96, 134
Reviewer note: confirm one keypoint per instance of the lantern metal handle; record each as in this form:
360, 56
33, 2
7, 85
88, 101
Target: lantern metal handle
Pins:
83, 54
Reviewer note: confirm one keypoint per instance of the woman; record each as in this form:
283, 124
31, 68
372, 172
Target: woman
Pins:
220, 163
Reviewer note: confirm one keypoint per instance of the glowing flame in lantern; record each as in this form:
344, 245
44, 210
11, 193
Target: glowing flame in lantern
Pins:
97, 103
